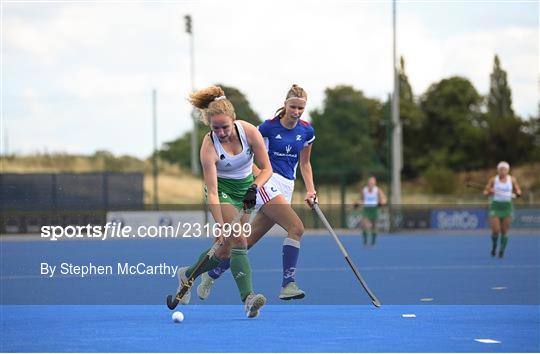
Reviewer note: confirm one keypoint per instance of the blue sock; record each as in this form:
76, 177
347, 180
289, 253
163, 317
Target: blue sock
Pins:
291, 249
220, 269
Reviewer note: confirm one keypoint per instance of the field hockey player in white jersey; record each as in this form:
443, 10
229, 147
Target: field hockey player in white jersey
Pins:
227, 158
501, 190
289, 140
372, 197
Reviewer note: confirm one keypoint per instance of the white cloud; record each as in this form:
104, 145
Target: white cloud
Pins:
429, 59
86, 70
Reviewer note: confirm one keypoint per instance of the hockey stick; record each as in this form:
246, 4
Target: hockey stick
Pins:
319, 212
173, 301
474, 185
481, 187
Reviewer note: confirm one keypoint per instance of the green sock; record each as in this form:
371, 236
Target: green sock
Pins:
504, 242
241, 271
365, 235
494, 237
211, 264
373, 237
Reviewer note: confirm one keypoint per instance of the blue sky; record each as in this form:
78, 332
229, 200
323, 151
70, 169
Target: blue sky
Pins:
77, 76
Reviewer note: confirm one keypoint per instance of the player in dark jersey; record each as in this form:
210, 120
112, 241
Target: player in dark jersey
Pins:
289, 140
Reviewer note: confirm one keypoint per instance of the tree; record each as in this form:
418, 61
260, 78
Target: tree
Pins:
344, 145
513, 140
532, 129
453, 135
500, 95
179, 150
412, 120
510, 138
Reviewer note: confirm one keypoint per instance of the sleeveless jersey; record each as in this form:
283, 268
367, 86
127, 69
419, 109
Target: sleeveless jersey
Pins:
284, 145
371, 198
502, 192
238, 166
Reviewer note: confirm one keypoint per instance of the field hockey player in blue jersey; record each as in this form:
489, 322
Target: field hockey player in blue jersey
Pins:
288, 140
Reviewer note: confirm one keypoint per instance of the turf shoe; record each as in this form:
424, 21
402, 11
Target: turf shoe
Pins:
204, 288
182, 279
291, 292
253, 304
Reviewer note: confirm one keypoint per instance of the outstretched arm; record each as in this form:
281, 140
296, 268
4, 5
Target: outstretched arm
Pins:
489, 186
382, 197
516, 186
255, 170
258, 147
307, 174
209, 158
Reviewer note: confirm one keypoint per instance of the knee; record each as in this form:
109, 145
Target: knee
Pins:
296, 231
223, 252
237, 242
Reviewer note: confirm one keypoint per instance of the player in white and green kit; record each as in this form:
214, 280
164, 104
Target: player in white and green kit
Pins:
501, 190
289, 141
227, 160
372, 197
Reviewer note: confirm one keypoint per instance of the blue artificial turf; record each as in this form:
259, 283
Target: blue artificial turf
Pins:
474, 296
280, 328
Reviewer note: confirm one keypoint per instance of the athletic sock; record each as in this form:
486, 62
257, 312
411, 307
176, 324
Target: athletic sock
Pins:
211, 264
365, 236
241, 272
222, 267
494, 237
291, 249
373, 237
504, 242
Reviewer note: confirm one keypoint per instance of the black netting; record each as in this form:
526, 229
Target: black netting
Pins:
125, 190
70, 191
85, 191
26, 191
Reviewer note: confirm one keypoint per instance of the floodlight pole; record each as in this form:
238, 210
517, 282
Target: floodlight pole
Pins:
194, 138
155, 152
397, 162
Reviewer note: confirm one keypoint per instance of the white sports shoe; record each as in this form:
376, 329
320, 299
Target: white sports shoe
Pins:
204, 288
253, 304
182, 278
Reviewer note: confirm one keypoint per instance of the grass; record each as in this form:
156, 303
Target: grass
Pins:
176, 186
174, 189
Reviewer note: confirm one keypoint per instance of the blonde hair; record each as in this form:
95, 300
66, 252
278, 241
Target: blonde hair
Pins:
295, 92
211, 101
